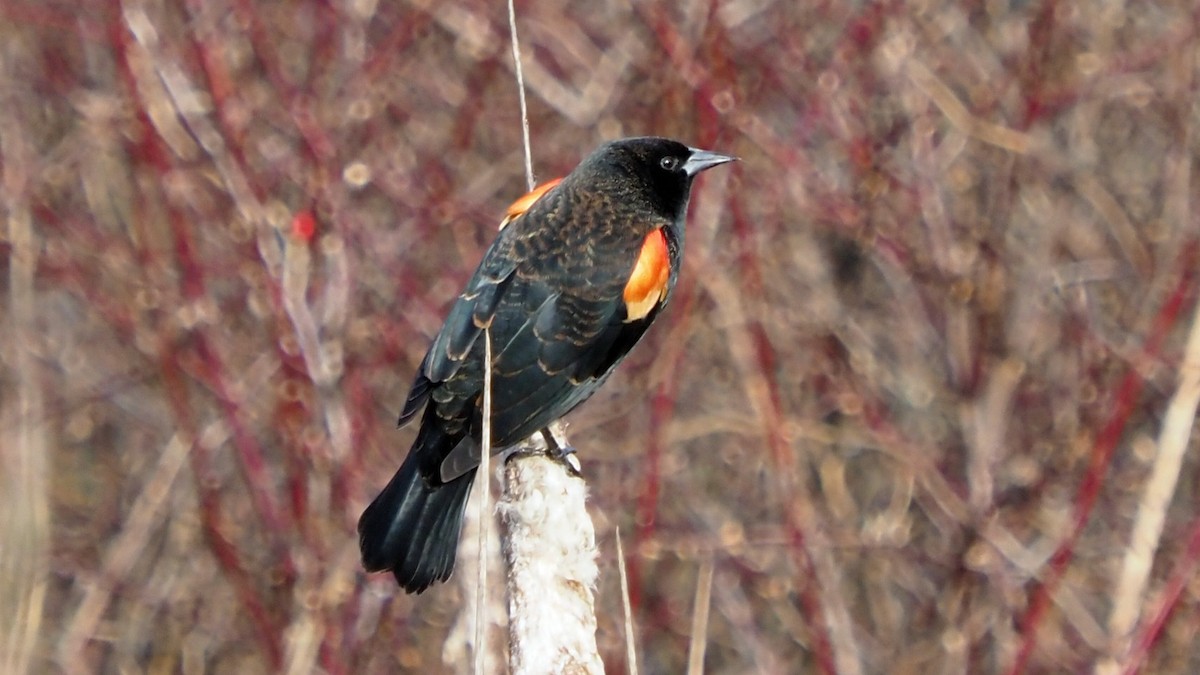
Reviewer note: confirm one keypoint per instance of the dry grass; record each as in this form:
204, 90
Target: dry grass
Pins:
906, 402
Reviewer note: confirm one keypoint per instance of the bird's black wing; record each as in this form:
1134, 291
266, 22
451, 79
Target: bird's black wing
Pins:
472, 312
557, 334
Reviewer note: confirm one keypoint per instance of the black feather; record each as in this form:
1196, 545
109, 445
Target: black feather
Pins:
416, 507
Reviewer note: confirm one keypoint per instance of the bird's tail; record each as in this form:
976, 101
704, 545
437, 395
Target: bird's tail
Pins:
412, 527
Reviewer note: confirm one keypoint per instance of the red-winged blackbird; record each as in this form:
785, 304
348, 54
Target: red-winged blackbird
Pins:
580, 269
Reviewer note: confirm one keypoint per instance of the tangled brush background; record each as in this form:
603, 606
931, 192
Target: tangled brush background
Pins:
905, 407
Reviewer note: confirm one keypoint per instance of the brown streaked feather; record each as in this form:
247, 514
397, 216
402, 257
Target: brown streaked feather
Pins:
522, 205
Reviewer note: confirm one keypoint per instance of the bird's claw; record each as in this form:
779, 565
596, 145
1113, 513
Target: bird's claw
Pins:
557, 448
567, 456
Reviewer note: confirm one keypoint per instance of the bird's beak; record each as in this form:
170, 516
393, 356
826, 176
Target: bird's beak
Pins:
703, 159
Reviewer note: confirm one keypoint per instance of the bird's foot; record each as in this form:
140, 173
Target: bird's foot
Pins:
558, 448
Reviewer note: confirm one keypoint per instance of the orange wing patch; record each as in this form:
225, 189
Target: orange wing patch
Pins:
648, 284
522, 205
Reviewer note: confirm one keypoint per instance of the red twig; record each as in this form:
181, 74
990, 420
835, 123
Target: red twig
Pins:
1125, 399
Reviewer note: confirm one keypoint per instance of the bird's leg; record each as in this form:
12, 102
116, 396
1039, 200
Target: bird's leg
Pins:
557, 447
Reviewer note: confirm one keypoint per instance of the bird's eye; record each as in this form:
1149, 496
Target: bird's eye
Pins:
669, 163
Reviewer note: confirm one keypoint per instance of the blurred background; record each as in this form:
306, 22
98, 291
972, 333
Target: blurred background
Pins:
902, 416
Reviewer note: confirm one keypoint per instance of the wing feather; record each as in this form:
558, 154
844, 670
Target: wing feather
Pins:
471, 313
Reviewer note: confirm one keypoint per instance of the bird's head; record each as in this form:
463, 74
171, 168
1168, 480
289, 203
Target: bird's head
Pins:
654, 171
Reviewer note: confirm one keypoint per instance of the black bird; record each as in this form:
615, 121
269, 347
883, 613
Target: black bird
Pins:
580, 269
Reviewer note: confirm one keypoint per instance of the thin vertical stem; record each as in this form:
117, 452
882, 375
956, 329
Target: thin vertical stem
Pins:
485, 455
516, 52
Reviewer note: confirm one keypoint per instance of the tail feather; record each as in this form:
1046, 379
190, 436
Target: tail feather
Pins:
412, 528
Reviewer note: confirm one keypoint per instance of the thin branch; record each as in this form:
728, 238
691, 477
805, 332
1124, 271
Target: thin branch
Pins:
1147, 530
700, 610
516, 52
144, 520
630, 643
485, 503
24, 451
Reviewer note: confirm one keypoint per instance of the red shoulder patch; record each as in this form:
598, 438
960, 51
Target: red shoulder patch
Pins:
648, 284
